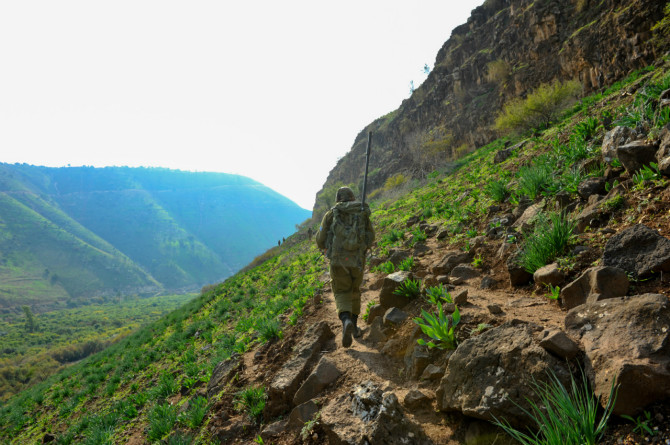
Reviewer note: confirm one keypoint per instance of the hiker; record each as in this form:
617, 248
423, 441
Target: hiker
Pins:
345, 234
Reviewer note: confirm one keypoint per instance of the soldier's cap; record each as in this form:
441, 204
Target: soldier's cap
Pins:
345, 194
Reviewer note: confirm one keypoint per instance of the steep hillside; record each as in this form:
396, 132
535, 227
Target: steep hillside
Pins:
70, 233
256, 359
505, 50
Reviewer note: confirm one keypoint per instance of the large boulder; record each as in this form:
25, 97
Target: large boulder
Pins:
626, 341
613, 139
369, 415
491, 375
288, 379
638, 250
387, 297
450, 260
596, 283
636, 154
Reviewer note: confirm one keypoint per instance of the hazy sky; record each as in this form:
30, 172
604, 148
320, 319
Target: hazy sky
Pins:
273, 90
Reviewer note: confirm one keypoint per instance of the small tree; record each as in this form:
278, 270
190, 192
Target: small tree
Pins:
31, 324
539, 108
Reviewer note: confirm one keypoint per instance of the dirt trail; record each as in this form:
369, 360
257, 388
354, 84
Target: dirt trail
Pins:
364, 360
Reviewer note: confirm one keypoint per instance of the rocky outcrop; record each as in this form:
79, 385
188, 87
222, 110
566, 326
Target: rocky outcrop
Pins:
369, 414
490, 375
638, 250
626, 341
387, 296
595, 284
288, 379
537, 42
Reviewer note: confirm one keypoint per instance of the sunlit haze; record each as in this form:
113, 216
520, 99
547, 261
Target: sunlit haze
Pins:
276, 91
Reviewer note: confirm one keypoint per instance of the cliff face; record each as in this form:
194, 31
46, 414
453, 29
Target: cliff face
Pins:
506, 49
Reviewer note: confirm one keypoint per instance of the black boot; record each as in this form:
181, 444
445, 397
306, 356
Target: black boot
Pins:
357, 330
348, 328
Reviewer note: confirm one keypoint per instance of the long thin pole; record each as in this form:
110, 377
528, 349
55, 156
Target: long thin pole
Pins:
367, 163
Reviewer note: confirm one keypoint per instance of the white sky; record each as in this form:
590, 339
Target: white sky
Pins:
273, 90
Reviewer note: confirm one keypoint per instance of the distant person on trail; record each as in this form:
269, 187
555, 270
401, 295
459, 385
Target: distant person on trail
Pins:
346, 233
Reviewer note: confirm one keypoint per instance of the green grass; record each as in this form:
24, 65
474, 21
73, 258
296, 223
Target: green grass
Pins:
549, 239
564, 416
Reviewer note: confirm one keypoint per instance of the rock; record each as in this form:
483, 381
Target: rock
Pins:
377, 333
525, 220
386, 296
398, 256
461, 297
638, 250
635, 155
432, 372
487, 283
416, 360
463, 272
223, 372
413, 220
518, 276
494, 309
394, 317
596, 283
613, 139
416, 400
302, 414
490, 375
430, 280
274, 429
323, 375
288, 379
450, 260
443, 279
549, 275
369, 415
626, 340
591, 186
558, 343
48, 438
376, 311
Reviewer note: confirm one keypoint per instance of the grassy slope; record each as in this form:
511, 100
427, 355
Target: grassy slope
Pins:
125, 388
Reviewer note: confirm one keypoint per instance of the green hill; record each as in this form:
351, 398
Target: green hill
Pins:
70, 233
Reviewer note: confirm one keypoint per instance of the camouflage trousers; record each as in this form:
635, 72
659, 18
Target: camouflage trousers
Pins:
346, 284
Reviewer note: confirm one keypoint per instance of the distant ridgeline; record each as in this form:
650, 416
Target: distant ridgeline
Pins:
69, 234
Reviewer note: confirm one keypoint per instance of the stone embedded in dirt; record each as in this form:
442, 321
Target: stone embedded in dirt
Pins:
301, 414
222, 373
613, 139
627, 341
491, 375
488, 283
421, 250
550, 274
463, 272
636, 154
432, 372
415, 399
288, 379
377, 332
430, 280
417, 359
275, 429
443, 279
525, 220
368, 415
443, 233
413, 220
386, 296
595, 213
394, 317
558, 343
505, 153
460, 297
323, 375
450, 260
398, 256
376, 311
518, 276
591, 186
638, 250
494, 309
595, 284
